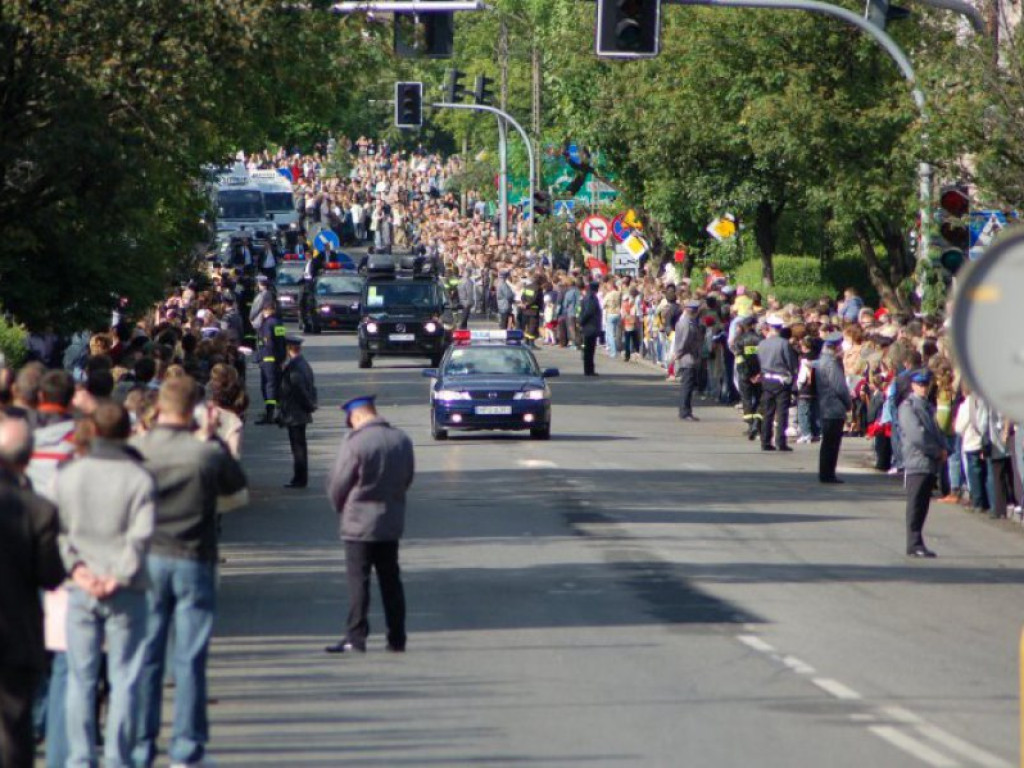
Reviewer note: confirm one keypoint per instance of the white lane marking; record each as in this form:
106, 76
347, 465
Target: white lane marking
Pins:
798, 666
835, 688
900, 715
912, 746
537, 464
960, 747
755, 642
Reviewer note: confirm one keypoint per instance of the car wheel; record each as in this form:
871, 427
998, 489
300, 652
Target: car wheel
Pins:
541, 433
365, 359
436, 432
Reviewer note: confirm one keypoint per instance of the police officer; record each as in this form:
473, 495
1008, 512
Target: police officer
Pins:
833, 401
298, 402
307, 294
779, 367
531, 300
590, 323
686, 349
924, 453
367, 487
748, 373
272, 355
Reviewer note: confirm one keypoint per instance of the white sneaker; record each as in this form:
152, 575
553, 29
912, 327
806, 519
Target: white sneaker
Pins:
791, 432
803, 440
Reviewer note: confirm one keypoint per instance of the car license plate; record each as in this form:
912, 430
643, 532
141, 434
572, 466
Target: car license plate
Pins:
493, 410
402, 337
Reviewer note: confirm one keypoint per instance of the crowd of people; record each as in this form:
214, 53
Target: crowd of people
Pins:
128, 440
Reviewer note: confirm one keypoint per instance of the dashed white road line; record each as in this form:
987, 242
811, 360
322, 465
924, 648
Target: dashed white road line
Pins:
800, 667
912, 746
755, 642
960, 747
835, 688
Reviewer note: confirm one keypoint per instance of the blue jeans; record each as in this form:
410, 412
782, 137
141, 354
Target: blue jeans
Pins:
56, 721
183, 595
120, 620
807, 417
611, 333
953, 467
976, 479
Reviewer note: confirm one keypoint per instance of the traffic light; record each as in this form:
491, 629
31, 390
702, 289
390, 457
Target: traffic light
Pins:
953, 216
879, 12
408, 105
541, 204
628, 29
453, 89
428, 35
481, 90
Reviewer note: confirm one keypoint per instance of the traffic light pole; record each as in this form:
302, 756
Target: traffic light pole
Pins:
504, 117
503, 178
924, 169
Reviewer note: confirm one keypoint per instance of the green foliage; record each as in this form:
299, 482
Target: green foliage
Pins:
797, 279
13, 342
848, 271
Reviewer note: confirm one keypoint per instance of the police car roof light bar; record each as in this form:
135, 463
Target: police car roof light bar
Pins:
461, 336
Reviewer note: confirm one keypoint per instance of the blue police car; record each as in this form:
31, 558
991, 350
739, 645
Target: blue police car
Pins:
489, 380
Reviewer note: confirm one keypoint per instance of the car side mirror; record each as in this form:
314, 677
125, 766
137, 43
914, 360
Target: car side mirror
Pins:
429, 373
550, 373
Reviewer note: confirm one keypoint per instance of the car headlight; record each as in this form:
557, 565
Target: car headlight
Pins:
371, 328
430, 327
531, 394
450, 394
286, 298
326, 309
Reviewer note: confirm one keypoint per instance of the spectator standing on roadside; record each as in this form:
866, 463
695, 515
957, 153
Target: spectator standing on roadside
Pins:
505, 297
298, 402
190, 475
590, 327
367, 487
105, 500
612, 308
570, 306
54, 432
29, 561
833, 403
924, 450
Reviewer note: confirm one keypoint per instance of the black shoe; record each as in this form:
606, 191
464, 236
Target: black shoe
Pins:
752, 435
394, 648
785, 449
921, 551
590, 374
831, 480
294, 484
767, 447
344, 646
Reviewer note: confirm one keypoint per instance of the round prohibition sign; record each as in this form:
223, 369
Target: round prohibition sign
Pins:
595, 229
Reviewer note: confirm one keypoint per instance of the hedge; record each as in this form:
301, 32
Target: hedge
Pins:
13, 343
797, 279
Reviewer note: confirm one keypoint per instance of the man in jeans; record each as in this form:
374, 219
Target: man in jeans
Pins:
105, 502
190, 474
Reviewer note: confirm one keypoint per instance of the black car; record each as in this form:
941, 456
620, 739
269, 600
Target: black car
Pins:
402, 315
289, 289
336, 296
489, 380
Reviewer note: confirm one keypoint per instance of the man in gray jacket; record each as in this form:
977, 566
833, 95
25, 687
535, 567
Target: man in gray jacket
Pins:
833, 403
924, 451
367, 487
686, 349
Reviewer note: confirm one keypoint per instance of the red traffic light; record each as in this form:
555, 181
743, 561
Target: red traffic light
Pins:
954, 201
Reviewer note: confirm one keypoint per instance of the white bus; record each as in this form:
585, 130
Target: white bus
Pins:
278, 197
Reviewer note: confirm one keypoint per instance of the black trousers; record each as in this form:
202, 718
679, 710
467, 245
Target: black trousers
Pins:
464, 318
919, 496
532, 329
17, 691
1002, 486
687, 382
589, 347
774, 412
300, 455
831, 439
360, 558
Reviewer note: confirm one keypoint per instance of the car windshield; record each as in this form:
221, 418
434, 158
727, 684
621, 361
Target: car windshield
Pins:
239, 204
490, 361
334, 285
398, 294
288, 277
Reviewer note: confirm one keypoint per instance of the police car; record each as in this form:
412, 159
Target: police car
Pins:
489, 380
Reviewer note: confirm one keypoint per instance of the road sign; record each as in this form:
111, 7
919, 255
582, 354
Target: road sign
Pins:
286, 173
722, 228
635, 245
624, 261
595, 229
324, 239
619, 230
563, 209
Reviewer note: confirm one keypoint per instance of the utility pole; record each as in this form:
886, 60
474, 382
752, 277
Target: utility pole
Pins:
503, 64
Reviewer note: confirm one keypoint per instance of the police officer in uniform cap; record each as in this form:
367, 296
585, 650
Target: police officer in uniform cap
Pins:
779, 367
748, 373
367, 487
686, 349
833, 401
298, 401
272, 355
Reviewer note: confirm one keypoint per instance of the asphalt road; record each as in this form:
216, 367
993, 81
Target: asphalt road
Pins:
636, 592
